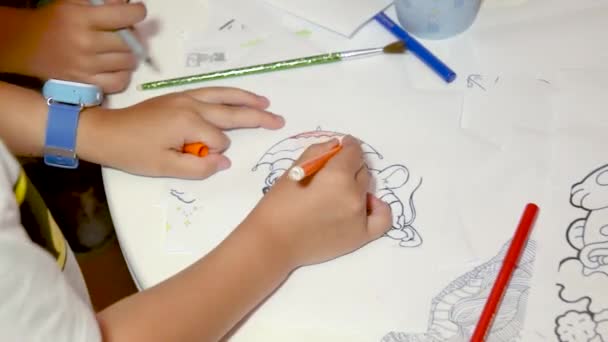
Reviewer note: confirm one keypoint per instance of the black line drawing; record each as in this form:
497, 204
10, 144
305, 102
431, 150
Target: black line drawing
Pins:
584, 277
196, 59
181, 219
279, 158
178, 194
456, 310
475, 80
589, 235
481, 81
226, 24
574, 326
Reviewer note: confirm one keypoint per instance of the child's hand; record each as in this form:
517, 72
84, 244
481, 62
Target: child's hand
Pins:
325, 216
147, 138
73, 40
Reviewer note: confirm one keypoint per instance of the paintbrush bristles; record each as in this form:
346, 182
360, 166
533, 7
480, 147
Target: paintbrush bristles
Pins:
396, 47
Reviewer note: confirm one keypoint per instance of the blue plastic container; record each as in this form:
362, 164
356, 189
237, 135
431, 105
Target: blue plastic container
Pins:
436, 19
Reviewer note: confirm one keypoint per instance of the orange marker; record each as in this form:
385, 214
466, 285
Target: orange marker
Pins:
310, 167
198, 149
509, 265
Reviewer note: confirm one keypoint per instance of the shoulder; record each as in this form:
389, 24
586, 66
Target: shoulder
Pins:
9, 209
38, 303
9, 167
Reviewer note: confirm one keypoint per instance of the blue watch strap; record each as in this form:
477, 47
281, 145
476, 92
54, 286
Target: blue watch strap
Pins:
60, 141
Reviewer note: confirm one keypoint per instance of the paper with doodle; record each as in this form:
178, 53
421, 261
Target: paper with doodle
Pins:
243, 33
225, 41
389, 179
493, 106
341, 16
456, 310
182, 211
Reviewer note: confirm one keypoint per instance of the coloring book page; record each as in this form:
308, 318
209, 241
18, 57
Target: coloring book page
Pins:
422, 268
428, 278
568, 301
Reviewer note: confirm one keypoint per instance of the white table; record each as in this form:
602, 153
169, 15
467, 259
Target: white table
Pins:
556, 40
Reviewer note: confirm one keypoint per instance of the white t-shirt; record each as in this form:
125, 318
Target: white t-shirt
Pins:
43, 296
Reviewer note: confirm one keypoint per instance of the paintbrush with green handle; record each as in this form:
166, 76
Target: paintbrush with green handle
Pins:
394, 48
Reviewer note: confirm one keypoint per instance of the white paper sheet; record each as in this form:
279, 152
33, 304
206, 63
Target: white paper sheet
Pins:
244, 33
182, 211
567, 297
497, 105
565, 171
568, 300
581, 108
384, 292
385, 286
342, 16
492, 199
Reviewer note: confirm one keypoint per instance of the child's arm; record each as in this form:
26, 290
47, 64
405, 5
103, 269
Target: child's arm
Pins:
293, 225
146, 138
70, 40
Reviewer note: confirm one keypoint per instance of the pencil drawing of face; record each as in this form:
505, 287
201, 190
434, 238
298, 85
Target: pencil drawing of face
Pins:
390, 178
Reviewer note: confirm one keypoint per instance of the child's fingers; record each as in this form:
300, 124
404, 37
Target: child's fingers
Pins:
117, 16
184, 165
88, 2
112, 82
77, 2
379, 217
316, 149
109, 41
201, 131
350, 158
227, 117
113, 62
229, 96
363, 178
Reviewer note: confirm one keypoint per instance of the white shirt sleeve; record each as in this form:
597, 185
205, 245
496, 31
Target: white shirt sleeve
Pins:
36, 301
38, 304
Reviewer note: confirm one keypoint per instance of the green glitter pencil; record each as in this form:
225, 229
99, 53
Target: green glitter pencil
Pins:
394, 48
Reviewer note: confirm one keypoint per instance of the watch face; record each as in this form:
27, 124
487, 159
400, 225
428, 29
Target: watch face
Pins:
72, 92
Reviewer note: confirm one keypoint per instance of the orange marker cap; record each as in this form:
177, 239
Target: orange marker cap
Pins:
197, 149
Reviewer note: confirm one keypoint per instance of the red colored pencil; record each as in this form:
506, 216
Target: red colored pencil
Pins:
506, 271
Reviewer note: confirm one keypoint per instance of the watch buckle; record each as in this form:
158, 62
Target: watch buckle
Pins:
50, 101
59, 152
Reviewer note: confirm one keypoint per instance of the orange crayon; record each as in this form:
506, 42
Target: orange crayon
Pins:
310, 167
197, 149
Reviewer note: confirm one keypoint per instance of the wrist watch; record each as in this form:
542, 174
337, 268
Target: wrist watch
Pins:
65, 100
